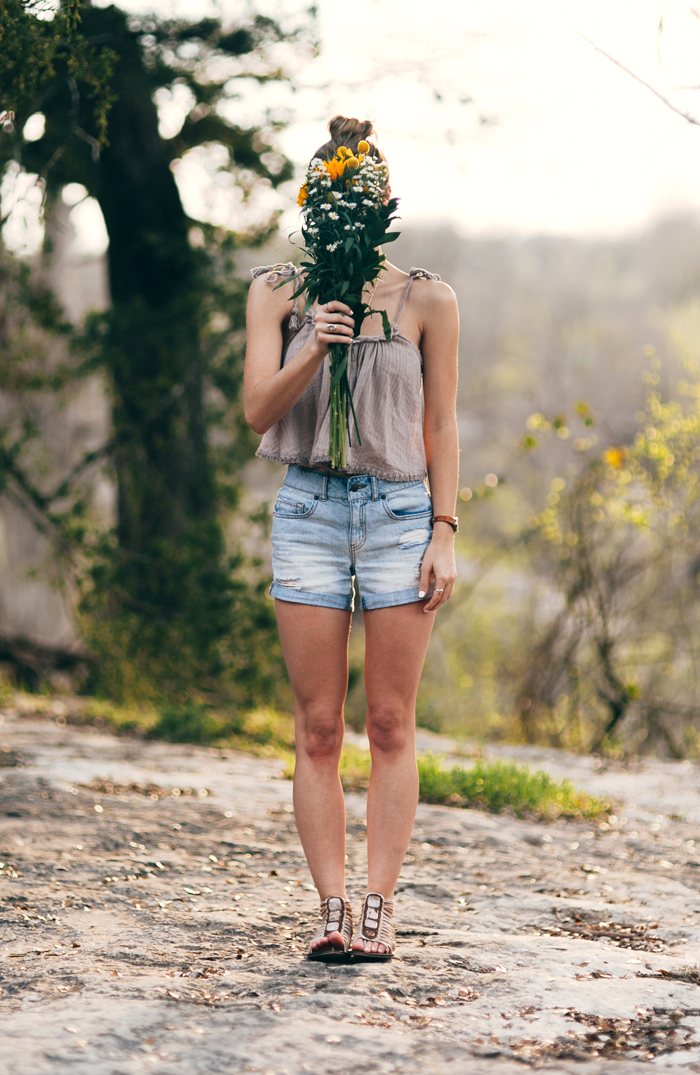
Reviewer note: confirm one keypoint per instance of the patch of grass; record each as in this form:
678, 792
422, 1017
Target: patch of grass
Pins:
355, 767
503, 786
263, 731
499, 787
188, 723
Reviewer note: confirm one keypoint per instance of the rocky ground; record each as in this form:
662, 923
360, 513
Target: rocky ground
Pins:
154, 908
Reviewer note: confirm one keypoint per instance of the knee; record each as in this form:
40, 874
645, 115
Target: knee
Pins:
388, 729
322, 736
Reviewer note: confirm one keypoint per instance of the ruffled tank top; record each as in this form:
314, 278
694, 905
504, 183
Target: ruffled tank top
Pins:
386, 379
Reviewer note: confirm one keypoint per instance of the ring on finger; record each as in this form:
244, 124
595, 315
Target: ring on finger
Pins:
331, 328
440, 591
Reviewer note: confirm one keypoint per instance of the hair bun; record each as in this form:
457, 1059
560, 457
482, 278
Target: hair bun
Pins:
349, 133
344, 129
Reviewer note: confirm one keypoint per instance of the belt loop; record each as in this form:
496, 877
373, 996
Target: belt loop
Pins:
324, 487
375, 487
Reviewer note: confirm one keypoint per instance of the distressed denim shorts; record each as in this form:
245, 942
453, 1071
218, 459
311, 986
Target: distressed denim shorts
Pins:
328, 531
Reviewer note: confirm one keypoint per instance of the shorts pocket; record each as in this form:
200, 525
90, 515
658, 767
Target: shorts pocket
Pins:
407, 504
289, 506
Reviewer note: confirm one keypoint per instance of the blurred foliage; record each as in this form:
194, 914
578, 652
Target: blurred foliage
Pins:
618, 663
196, 723
37, 42
574, 621
32, 366
262, 731
166, 606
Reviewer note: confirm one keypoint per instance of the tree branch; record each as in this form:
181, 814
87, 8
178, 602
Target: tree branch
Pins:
687, 116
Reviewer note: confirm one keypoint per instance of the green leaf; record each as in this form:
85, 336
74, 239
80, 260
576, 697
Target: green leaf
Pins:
288, 280
390, 236
386, 323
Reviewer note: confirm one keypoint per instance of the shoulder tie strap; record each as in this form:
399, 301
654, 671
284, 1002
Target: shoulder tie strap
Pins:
272, 274
423, 274
275, 272
414, 274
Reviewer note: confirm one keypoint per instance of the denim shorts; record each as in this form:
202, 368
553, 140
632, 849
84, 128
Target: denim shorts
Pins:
328, 530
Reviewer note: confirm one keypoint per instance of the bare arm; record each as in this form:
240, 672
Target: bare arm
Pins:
439, 346
269, 390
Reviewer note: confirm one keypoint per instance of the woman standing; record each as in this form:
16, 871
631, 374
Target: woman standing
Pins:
373, 521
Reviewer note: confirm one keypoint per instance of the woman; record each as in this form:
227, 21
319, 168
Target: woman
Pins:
373, 521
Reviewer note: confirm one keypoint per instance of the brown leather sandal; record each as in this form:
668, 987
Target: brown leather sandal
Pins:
375, 925
336, 916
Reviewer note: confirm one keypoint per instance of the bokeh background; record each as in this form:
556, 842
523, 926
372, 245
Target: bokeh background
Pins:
546, 157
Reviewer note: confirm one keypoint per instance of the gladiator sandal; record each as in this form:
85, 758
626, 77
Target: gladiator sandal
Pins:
336, 917
375, 925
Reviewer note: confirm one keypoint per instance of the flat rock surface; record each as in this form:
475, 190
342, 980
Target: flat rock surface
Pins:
155, 906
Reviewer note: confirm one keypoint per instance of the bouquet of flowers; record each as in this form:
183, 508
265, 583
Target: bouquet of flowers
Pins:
346, 212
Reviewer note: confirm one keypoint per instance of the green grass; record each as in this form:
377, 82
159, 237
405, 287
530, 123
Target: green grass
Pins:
502, 786
499, 787
263, 731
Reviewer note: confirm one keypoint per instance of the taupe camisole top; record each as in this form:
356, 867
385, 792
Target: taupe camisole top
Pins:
386, 382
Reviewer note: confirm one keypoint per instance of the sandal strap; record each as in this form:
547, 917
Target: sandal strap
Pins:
375, 921
336, 917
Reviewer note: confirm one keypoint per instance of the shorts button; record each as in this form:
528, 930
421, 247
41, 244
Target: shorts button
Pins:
354, 488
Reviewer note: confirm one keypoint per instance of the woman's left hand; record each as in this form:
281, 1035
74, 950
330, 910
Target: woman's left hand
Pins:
438, 569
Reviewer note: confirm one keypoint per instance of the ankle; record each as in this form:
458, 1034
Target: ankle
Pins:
328, 893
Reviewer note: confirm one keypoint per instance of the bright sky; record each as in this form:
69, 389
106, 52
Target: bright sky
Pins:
575, 145
553, 137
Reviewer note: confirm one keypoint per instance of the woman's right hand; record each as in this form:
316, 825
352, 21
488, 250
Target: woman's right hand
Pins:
333, 323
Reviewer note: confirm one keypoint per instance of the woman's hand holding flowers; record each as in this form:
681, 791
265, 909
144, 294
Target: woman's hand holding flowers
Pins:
333, 323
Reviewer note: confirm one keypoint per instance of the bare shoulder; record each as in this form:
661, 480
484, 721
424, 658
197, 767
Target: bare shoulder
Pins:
433, 299
267, 296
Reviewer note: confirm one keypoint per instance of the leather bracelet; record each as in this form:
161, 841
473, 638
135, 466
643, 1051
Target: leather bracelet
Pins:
451, 520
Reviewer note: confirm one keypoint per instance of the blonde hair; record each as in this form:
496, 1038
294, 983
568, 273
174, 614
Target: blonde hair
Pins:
348, 132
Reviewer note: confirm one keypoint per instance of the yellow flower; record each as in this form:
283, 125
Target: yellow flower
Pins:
335, 167
615, 457
303, 195
363, 147
352, 163
343, 152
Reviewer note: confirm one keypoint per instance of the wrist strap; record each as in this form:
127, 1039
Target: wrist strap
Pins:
451, 520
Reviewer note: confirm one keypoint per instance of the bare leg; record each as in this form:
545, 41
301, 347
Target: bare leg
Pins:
315, 646
396, 643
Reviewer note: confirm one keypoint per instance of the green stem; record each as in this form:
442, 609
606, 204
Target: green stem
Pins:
340, 405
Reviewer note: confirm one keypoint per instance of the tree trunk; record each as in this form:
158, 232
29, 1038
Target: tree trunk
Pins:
163, 472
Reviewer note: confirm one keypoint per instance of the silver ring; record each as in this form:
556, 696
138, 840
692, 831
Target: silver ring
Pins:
331, 328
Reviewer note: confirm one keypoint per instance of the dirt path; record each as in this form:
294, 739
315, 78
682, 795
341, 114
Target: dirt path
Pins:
142, 930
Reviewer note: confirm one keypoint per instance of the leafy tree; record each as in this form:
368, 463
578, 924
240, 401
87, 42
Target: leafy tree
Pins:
618, 662
36, 43
164, 581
